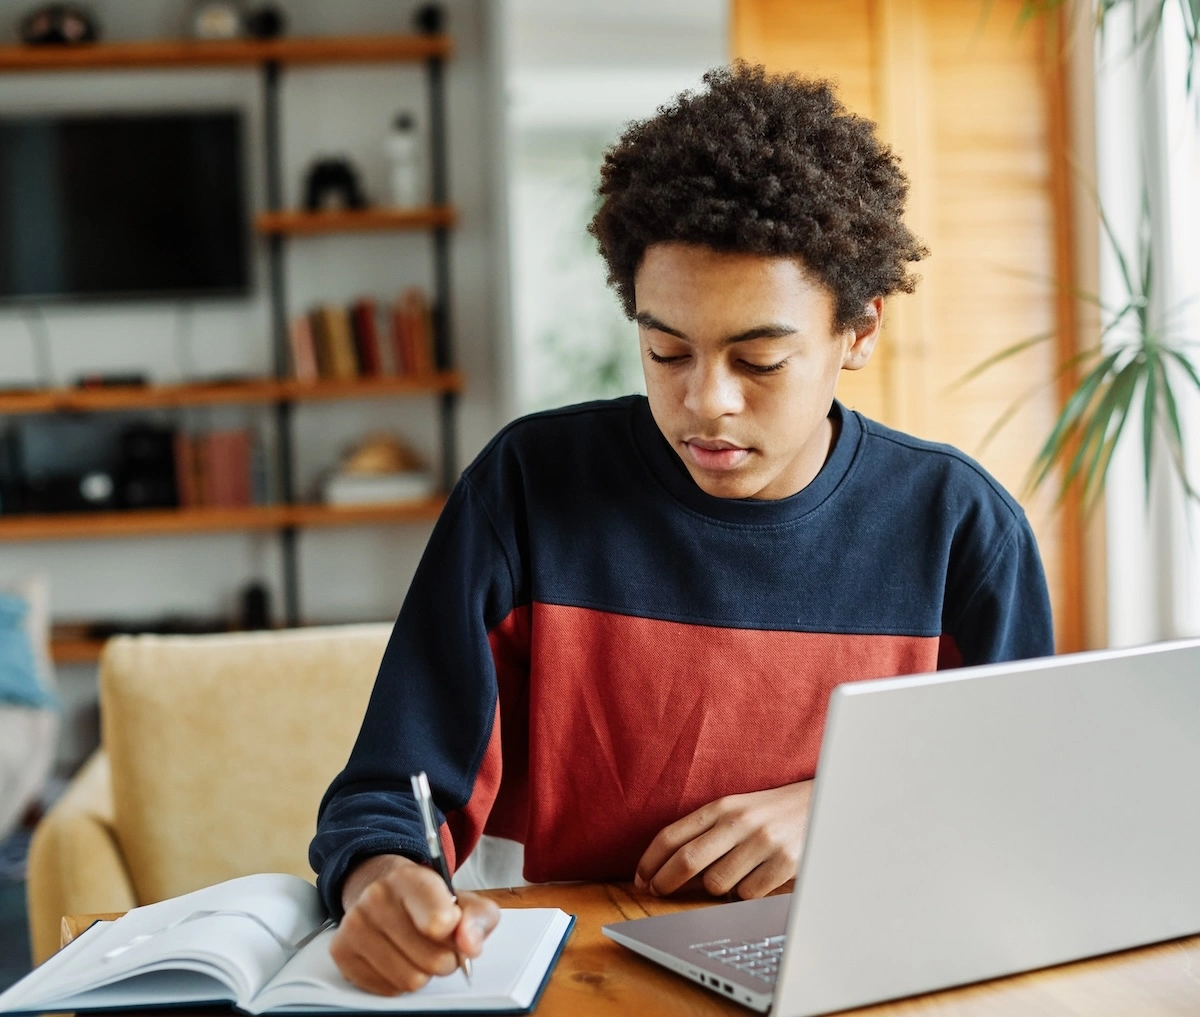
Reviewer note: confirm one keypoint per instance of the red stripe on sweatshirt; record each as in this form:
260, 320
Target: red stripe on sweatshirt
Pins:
635, 723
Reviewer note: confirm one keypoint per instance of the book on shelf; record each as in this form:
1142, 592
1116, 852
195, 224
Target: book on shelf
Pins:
412, 333
304, 352
214, 469
331, 327
261, 943
364, 324
343, 488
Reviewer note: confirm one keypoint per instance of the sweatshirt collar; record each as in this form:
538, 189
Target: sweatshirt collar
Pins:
667, 469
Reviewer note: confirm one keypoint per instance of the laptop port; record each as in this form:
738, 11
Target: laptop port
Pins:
727, 987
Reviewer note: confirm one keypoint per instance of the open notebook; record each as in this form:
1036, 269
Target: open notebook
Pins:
261, 943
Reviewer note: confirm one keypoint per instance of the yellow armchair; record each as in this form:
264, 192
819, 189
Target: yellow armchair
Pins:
215, 752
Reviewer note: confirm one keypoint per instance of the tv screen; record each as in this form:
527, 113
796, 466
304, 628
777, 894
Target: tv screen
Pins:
124, 205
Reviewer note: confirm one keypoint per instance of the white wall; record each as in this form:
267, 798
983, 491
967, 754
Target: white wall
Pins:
346, 574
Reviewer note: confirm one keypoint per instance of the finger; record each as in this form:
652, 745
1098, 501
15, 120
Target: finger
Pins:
388, 920
768, 876
671, 838
727, 872
390, 964
694, 857
423, 894
369, 961
480, 916
355, 969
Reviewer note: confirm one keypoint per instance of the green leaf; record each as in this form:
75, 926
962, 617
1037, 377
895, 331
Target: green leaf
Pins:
996, 358
1182, 360
1175, 432
1149, 407
1093, 428
1068, 421
1116, 249
1175, 435
1123, 390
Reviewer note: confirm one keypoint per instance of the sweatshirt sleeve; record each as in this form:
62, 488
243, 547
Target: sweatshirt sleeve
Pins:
433, 708
1007, 614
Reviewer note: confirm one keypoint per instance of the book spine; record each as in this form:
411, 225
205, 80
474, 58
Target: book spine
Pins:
341, 343
401, 353
422, 332
321, 343
185, 469
238, 458
304, 354
366, 335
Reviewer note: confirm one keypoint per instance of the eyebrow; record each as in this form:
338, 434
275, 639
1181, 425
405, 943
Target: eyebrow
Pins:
773, 331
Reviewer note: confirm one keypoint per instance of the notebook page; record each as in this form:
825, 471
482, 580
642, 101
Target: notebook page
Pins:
505, 976
234, 931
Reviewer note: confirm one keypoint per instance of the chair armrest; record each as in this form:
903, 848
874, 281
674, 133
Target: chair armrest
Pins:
75, 863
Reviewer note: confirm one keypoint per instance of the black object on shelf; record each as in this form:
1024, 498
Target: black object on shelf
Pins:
167, 625
332, 184
255, 607
146, 477
58, 25
428, 19
127, 379
265, 22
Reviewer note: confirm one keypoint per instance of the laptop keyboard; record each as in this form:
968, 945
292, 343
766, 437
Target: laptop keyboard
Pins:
757, 957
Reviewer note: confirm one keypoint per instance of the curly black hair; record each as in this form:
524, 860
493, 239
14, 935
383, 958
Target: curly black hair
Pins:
760, 163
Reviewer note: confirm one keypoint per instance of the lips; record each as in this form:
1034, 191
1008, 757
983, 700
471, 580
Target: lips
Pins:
715, 454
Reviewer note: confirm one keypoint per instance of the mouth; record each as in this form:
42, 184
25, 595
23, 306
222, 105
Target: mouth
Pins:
715, 454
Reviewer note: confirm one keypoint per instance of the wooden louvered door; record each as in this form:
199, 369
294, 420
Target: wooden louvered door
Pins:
972, 102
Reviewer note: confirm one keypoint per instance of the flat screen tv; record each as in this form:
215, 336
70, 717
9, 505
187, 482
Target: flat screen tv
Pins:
147, 205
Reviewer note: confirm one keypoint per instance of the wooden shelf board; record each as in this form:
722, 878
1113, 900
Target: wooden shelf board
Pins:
88, 525
175, 53
79, 400
75, 651
71, 526
297, 222
366, 388
359, 515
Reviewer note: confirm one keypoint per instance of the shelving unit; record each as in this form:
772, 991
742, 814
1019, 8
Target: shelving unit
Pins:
278, 225
255, 390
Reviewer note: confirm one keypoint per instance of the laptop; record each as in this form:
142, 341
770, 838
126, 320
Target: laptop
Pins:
967, 825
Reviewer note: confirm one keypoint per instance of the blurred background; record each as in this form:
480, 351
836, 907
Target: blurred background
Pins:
391, 204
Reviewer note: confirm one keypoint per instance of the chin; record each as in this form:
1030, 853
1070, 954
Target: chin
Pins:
725, 487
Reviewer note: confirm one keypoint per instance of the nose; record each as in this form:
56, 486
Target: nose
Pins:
712, 390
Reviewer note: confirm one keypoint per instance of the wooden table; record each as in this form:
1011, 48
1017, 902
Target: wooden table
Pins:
597, 978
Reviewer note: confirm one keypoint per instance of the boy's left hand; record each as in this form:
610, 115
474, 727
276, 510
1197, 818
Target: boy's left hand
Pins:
745, 844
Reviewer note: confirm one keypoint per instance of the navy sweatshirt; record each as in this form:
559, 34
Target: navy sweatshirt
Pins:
592, 647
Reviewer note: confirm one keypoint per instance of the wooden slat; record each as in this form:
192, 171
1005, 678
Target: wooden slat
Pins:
355, 220
222, 53
91, 525
904, 101
87, 400
967, 99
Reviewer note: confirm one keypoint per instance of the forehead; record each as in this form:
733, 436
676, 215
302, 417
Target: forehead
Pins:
725, 288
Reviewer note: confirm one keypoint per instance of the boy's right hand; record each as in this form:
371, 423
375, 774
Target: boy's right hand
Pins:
402, 926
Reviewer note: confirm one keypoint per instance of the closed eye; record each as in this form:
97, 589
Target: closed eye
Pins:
664, 360
765, 368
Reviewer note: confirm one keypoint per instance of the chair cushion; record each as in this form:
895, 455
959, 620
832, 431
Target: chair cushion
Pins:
222, 746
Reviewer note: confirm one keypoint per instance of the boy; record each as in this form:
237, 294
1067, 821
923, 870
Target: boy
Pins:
620, 644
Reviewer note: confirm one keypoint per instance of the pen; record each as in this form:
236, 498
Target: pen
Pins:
420, 786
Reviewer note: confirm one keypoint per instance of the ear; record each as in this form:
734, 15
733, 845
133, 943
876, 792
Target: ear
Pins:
863, 335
